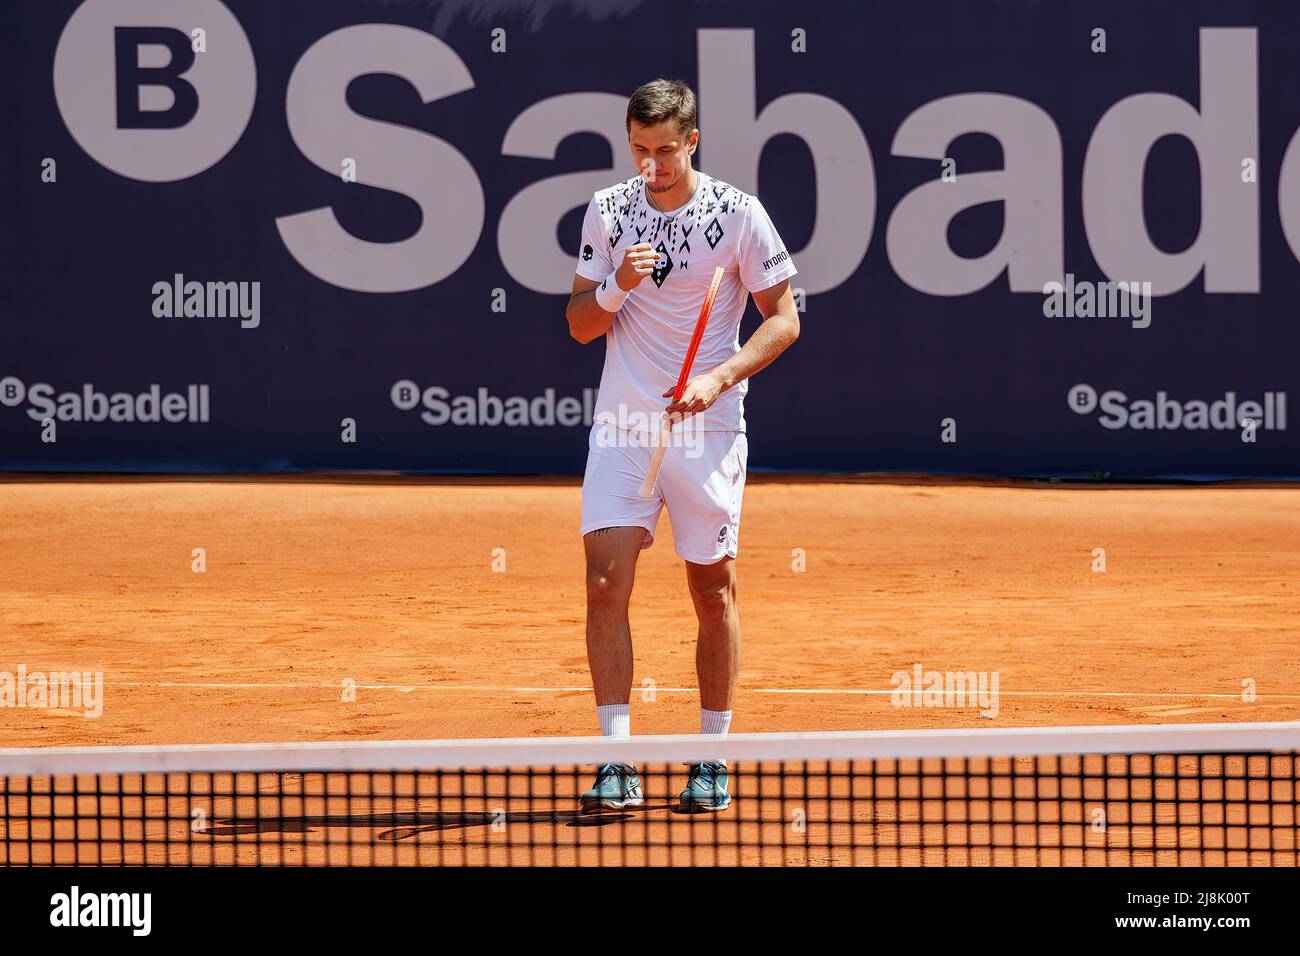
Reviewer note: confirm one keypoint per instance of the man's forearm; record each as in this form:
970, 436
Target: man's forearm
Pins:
587, 320
776, 334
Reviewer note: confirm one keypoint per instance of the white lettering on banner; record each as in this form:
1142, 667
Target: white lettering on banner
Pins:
91, 405
1167, 414
736, 131
1028, 186
222, 81
526, 230
484, 408
1225, 130
220, 86
428, 170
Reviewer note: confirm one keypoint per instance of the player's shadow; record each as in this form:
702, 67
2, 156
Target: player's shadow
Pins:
408, 825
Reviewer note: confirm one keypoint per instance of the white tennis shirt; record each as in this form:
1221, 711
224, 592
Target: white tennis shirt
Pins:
644, 348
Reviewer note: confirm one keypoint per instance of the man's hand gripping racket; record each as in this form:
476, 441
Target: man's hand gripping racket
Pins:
657, 460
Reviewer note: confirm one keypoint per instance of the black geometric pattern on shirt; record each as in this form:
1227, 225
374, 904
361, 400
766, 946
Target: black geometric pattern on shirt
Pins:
628, 205
713, 233
660, 272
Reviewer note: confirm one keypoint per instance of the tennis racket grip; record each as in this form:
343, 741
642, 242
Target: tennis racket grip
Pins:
656, 462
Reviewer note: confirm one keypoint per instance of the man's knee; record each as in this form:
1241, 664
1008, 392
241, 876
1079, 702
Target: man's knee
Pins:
714, 594
608, 589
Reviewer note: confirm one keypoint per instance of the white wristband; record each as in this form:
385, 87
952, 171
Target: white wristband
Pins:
610, 295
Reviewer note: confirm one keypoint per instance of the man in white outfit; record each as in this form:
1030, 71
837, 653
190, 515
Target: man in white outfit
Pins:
671, 225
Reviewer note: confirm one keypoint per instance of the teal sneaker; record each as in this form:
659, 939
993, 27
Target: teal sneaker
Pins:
706, 790
617, 786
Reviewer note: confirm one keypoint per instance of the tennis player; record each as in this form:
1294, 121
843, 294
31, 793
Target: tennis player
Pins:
649, 248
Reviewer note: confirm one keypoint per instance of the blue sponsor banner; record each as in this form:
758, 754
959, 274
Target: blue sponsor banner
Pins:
1033, 238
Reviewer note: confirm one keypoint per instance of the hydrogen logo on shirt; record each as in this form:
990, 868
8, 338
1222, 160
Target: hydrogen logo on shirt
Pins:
586, 253
775, 260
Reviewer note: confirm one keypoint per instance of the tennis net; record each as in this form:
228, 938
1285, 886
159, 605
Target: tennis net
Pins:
1192, 795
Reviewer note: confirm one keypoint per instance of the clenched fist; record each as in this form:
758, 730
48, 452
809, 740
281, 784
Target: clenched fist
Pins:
638, 262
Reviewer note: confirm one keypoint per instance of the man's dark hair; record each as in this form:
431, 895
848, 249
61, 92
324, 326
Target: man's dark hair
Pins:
660, 101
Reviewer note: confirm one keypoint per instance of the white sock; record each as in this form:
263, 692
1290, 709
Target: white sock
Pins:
715, 721
615, 719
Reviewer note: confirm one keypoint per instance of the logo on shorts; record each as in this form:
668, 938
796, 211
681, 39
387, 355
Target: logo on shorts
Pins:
722, 535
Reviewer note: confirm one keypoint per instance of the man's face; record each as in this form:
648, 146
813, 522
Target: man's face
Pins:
662, 153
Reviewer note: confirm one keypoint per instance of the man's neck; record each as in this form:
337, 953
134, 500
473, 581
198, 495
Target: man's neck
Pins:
679, 195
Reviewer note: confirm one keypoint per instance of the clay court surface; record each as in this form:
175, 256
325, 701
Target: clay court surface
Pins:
395, 587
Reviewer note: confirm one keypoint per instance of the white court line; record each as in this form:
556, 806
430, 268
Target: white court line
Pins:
842, 691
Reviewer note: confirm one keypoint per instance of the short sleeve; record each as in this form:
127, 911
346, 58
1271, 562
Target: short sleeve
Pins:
763, 258
593, 258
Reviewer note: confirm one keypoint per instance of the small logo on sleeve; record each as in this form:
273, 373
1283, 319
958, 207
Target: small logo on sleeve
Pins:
586, 253
776, 260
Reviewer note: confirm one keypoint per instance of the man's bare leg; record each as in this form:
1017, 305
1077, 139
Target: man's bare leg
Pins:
611, 567
717, 649
717, 661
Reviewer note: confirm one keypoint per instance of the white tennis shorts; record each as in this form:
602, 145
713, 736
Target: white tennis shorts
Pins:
701, 485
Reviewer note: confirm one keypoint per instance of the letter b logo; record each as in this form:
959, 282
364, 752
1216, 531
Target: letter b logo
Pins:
12, 391
136, 97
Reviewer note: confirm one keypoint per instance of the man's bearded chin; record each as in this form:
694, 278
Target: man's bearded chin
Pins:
662, 187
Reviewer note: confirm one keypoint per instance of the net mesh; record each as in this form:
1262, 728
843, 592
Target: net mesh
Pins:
1111, 799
